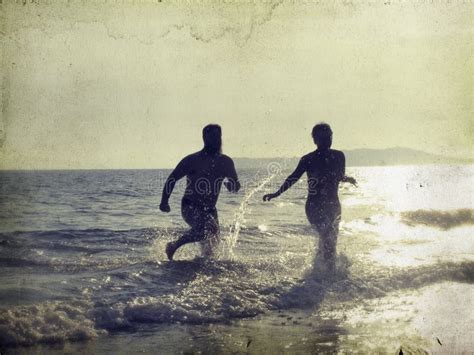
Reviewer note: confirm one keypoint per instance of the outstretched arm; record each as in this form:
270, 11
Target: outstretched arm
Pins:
341, 173
290, 181
179, 172
232, 184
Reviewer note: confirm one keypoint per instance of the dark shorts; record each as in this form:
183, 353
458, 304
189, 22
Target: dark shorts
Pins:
202, 219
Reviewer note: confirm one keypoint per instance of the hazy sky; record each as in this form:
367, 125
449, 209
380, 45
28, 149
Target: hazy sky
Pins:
123, 85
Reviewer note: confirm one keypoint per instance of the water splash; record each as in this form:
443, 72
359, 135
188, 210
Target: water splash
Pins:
239, 216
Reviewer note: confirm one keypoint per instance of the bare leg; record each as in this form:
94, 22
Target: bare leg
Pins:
327, 249
204, 229
211, 231
325, 216
328, 233
188, 237
191, 216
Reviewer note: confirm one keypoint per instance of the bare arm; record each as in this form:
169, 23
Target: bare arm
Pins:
290, 180
341, 167
232, 184
178, 173
341, 173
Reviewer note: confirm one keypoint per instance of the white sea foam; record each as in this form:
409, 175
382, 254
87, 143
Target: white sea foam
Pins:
47, 322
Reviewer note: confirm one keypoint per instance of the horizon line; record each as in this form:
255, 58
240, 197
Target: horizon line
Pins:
247, 168
455, 161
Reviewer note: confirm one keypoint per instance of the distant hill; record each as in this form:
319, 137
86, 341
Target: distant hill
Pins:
363, 157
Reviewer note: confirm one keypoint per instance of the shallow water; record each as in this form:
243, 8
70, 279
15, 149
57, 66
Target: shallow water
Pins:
82, 266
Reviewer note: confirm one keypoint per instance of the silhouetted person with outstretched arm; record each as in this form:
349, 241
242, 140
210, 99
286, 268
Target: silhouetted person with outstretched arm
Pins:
325, 168
205, 172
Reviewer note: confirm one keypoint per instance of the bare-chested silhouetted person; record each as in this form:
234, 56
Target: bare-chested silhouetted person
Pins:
325, 168
205, 172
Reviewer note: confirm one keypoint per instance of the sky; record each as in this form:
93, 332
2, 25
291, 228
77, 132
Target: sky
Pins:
130, 84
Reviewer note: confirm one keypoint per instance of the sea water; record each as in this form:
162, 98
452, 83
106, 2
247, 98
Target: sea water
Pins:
83, 268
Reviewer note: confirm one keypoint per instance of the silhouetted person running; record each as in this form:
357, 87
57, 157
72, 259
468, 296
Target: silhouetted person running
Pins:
205, 172
325, 168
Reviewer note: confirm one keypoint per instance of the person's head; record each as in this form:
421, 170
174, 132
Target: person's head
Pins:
212, 136
322, 135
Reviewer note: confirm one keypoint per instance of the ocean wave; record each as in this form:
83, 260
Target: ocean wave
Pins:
441, 219
16, 261
125, 193
48, 322
98, 233
217, 292
74, 250
66, 265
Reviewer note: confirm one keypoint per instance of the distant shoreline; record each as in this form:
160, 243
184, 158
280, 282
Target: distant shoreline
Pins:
354, 158
286, 166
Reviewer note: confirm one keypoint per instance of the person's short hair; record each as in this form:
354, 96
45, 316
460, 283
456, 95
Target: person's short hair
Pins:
212, 137
321, 129
211, 128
